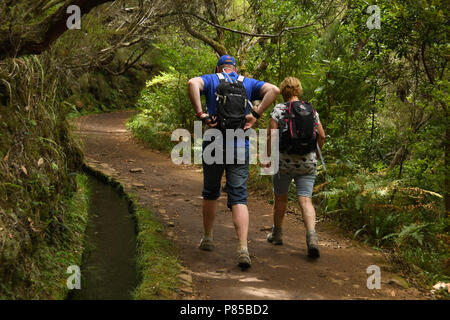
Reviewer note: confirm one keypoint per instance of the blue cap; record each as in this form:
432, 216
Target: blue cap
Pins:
226, 59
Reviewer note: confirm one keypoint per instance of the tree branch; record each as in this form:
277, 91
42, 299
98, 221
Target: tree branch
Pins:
250, 34
219, 48
36, 38
427, 71
259, 35
128, 64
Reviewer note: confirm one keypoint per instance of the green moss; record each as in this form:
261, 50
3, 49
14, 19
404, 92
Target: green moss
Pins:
157, 262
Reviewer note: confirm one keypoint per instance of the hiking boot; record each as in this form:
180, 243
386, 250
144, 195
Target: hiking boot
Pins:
313, 244
244, 259
275, 237
206, 244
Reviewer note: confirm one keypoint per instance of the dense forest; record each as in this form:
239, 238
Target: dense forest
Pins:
378, 77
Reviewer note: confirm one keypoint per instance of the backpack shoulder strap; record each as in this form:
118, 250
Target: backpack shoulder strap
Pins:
221, 80
285, 109
307, 103
221, 77
298, 103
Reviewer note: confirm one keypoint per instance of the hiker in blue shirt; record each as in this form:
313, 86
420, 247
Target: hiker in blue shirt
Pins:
218, 116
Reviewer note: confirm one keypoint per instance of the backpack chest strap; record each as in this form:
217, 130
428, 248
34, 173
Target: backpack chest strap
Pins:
221, 77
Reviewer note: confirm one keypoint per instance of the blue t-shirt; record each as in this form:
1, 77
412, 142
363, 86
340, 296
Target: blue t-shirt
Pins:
211, 81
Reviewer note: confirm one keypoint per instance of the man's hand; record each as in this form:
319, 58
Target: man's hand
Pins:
250, 121
211, 122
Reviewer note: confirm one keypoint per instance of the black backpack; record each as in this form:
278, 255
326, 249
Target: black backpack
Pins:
231, 103
298, 131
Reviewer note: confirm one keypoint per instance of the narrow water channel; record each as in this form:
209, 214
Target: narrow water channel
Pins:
109, 265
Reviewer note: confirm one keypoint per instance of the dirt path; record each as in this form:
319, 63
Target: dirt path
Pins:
278, 272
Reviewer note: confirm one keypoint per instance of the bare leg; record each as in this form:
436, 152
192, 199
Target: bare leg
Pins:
241, 221
209, 213
309, 213
279, 208
309, 218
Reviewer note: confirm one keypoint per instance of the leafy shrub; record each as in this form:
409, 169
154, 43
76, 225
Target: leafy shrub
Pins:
388, 213
164, 107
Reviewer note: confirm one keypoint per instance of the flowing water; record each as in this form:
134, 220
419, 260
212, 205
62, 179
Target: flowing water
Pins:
109, 266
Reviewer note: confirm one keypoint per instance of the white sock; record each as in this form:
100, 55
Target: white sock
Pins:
243, 245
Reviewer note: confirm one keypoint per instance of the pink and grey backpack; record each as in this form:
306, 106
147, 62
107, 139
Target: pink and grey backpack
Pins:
299, 135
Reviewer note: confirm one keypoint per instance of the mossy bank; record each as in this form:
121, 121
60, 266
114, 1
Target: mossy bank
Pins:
43, 273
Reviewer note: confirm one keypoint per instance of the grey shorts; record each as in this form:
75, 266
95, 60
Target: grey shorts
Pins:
303, 183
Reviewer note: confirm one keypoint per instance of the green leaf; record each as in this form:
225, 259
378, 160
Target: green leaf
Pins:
318, 90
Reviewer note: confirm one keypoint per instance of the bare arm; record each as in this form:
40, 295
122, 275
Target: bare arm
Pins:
195, 85
269, 92
273, 125
321, 137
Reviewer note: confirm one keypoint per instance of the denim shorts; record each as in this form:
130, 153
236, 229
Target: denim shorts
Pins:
236, 177
303, 183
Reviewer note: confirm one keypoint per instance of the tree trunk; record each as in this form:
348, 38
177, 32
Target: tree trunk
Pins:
399, 157
447, 180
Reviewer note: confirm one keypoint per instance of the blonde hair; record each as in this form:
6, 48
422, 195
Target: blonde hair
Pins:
291, 87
